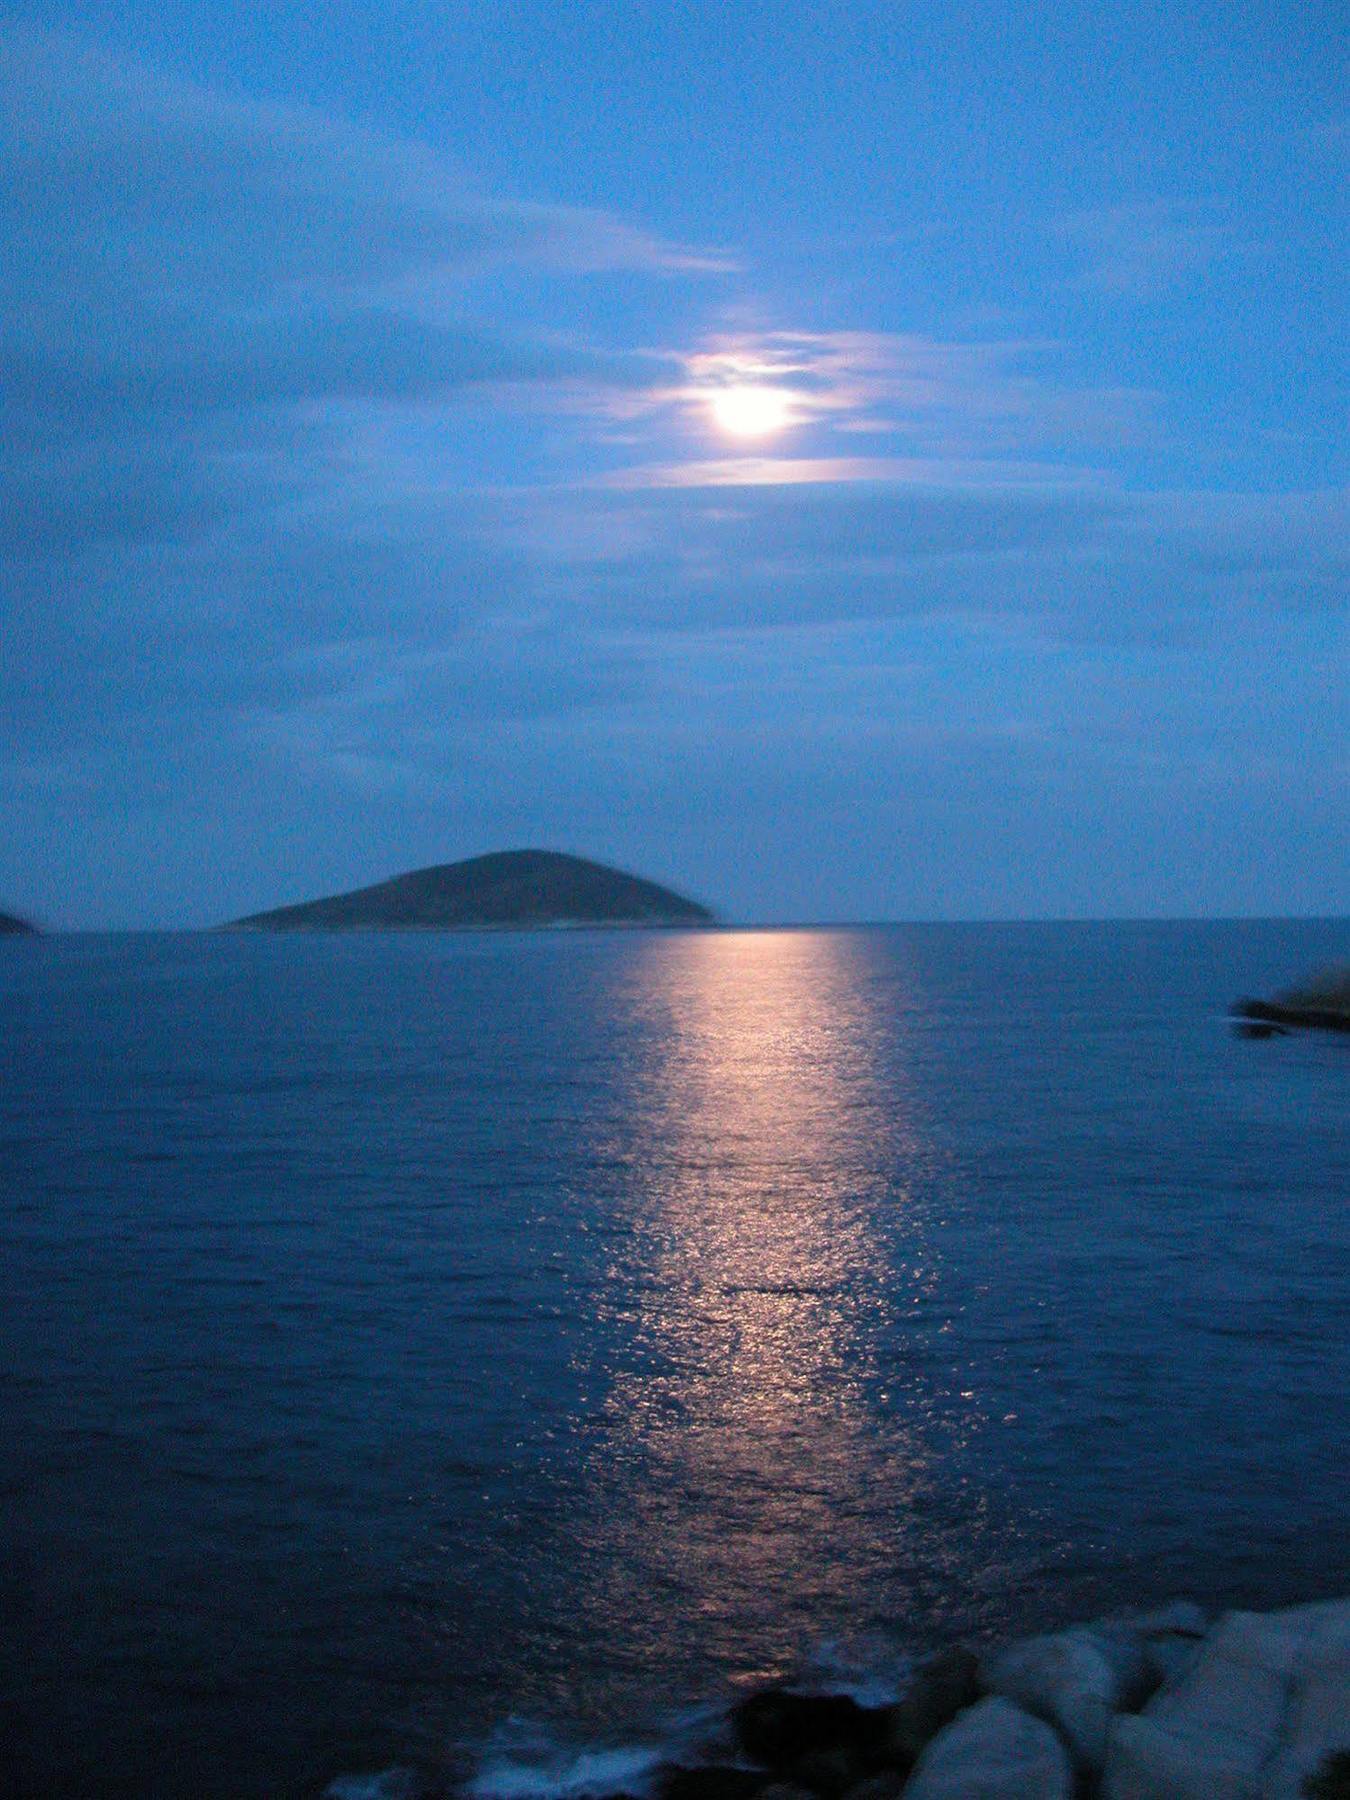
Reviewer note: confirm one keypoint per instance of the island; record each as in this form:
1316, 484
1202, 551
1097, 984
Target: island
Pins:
12, 927
507, 889
1322, 1004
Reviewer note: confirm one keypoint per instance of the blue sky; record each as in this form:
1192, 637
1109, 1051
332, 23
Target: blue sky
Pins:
372, 378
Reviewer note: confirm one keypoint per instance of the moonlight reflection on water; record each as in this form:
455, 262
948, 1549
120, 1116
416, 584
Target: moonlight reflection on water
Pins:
770, 1447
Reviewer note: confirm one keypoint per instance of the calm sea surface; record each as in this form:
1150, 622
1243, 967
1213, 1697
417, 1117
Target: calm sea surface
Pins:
402, 1334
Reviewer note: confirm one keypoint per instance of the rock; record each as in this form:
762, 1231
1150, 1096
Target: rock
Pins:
1212, 1732
1066, 1679
778, 1728
941, 1688
889, 1785
1267, 1698
1323, 1002
1125, 1652
829, 1772
1317, 1721
993, 1751
1149, 1649
1261, 1018
1183, 1617
1331, 1779
1171, 1657
1146, 1763
389, 1784
712, 1781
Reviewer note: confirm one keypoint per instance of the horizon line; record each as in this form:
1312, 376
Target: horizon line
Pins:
716, 924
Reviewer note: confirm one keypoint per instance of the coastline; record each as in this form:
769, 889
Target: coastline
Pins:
1166, 1704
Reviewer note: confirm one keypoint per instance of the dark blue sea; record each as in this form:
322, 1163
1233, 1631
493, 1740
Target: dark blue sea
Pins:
477, 1352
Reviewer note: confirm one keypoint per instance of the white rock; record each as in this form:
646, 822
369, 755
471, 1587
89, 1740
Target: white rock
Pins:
1147, 1649
1126, 1652
1181, 1616
1267, 1697
1317, 1721
1145, 1761
1210, 1734
1066, 1679
1319, 1619
993, 1751
1171, 1656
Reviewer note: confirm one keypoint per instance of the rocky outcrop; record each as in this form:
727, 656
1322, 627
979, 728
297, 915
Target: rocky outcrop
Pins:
1270, 1018
993, 1751
1069, 1680
942, 1687
711, 1781
1139, 1706
1264, 1706
1322, 1003
1078, 1680
777, 1727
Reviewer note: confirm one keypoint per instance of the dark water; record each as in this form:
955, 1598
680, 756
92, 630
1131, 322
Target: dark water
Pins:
401, 1333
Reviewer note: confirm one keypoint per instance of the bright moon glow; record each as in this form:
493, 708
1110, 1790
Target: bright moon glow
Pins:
747, 411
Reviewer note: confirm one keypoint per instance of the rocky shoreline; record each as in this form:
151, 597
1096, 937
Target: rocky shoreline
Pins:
1322, 1004
1266, 1018
1169, 1704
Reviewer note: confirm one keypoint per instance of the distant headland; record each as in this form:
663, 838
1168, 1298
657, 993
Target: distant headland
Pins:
521, 889
1322, 1003
12, 927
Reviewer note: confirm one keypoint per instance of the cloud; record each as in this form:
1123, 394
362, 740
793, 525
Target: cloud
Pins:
817, 471
946, 406
1146, 248
411, 681
116, 171
1058, 563
308, 498
199, 295
330, 353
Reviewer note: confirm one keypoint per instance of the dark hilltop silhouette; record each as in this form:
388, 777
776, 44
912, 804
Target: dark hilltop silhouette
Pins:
12, 927
520, 888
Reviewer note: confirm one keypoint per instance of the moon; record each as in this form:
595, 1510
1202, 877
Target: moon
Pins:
744, 410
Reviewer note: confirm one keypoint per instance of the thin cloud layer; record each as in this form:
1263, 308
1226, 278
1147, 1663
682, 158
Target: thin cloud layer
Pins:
1149, 247
334, 476
948, 406
125, 177
197, 291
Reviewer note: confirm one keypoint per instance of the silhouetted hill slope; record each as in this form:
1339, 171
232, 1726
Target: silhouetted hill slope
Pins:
507, 888
12, 927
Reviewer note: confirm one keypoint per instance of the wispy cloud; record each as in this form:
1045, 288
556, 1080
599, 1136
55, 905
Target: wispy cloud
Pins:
116, 169
205, 299
841, 374
1146, 248
800, 471
981, 410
